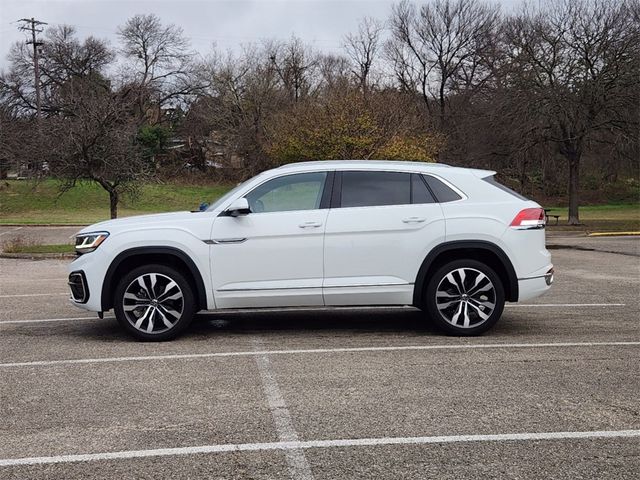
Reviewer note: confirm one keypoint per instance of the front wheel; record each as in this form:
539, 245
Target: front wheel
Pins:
154, 302
465, 297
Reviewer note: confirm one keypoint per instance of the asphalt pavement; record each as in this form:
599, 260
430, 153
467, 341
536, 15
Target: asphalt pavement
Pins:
551, 392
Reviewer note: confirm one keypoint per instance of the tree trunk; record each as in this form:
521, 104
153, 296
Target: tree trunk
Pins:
574, 185
442, 108
113, 203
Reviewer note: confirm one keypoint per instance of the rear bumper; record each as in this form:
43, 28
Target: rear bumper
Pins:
535, 285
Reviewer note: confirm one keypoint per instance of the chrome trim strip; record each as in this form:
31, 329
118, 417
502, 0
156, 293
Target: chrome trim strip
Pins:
224, 241
538, 276
529, 227
309, 288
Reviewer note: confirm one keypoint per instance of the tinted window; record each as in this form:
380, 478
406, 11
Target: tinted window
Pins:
419, 191
302, 191
442, 192
367, 189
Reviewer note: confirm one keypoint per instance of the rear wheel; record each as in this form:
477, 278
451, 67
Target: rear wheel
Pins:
154, 302
465, 297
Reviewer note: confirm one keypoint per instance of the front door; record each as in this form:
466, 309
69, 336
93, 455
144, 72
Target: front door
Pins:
273, 256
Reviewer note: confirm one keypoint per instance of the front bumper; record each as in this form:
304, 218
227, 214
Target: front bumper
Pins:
88, 269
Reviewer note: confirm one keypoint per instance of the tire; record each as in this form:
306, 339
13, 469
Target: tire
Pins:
463, 313
154, 303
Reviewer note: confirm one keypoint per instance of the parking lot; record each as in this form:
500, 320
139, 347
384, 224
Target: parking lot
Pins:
551, 392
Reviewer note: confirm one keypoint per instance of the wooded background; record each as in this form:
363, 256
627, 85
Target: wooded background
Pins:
547, 95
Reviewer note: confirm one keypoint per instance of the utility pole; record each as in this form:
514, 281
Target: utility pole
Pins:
33, 25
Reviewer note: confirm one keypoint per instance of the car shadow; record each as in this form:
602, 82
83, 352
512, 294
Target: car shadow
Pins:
302, 323
283, 322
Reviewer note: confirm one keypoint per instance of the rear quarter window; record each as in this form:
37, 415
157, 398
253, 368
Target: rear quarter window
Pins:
442, 192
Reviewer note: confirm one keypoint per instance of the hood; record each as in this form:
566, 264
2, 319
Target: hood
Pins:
159, 219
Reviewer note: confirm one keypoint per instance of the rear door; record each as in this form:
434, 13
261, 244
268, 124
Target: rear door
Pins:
380, 227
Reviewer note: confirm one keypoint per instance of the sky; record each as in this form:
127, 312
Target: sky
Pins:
226, 23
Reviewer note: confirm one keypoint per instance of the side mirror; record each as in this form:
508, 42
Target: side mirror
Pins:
239, 207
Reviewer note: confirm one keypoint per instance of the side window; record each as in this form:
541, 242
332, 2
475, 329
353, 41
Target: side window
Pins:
419, 191
302, 191
368, 189
442, 192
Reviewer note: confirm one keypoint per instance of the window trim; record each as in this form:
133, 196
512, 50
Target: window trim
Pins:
336, 193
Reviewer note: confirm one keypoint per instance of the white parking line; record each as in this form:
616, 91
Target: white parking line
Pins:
41, 320
185, 356
296, 461
340, 443
565, 305
12, 281
35, 295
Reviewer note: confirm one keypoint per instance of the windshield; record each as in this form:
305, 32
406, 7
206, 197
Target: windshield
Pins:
218, 203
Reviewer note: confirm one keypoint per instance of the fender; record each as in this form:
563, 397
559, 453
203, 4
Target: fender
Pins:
511, 289
107, 292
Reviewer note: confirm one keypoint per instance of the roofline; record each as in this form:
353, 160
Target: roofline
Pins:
378, 163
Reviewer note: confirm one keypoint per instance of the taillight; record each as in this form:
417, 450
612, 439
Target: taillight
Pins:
529, 218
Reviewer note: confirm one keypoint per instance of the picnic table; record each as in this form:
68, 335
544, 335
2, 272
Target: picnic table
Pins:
547, 216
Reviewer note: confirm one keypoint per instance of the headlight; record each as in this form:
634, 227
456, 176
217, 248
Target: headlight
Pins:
88, 242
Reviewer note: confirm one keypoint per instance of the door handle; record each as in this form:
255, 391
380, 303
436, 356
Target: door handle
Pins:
310, 225
414, 219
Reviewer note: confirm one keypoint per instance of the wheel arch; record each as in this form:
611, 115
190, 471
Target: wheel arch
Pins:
138, 256
486, 252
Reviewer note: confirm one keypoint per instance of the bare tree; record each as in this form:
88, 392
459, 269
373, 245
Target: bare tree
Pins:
438, 48
163, 65
362, 48
334, 72
244, 90
295, 65
576, 64
95, 139
89, 131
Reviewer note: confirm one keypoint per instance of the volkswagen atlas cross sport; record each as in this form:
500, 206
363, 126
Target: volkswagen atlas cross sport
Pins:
450, 241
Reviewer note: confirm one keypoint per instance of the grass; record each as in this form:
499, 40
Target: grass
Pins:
26, 202
58, 248
601, 218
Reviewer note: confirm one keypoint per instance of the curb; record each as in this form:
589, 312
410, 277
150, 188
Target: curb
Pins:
613, 234
37, 256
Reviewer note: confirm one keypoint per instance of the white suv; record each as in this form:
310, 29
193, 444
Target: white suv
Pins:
451, 241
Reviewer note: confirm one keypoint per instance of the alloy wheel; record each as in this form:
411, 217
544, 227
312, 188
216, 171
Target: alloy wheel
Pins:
465, 297
153, 303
